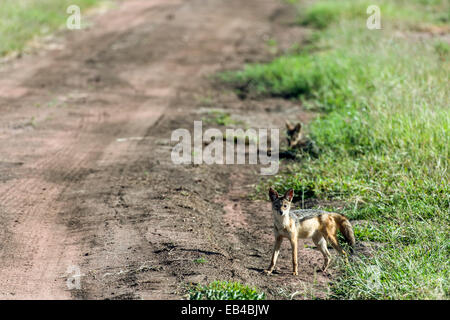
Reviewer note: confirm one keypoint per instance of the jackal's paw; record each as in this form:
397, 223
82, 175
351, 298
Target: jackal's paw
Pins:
268, 272
295, 273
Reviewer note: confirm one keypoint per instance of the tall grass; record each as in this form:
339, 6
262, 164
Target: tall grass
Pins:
322, 14
384, 139
21, 20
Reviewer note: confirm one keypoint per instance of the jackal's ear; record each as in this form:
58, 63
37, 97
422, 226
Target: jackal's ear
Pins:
298, 127
289, 126
289, 195
273, 195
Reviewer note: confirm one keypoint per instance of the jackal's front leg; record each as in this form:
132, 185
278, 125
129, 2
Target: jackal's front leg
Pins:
276, 252
294, 245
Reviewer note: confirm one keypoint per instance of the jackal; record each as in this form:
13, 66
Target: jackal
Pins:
319, 225
294, 134
298, 141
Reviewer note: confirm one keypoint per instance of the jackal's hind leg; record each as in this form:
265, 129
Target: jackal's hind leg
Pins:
334, 242
321, 244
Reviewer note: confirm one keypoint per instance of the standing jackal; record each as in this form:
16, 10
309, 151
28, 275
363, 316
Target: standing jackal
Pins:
319, 225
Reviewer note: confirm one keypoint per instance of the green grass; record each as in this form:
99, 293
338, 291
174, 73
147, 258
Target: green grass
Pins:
442, 49
21, 20
406, 13
224, 290
383, 132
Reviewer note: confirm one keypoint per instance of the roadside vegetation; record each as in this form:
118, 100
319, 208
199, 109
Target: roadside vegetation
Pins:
382, 98
413, 14
22, 20
224, 290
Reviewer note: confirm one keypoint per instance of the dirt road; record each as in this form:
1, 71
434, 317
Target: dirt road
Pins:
86, 180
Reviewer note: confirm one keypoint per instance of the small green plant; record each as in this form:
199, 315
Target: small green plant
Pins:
322, 14
200, 260
220, 118
224, 290
32, 122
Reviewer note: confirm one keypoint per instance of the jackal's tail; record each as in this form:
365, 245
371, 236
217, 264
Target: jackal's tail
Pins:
346, 229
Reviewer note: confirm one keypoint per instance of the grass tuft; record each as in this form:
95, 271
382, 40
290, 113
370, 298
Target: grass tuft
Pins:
224, 290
